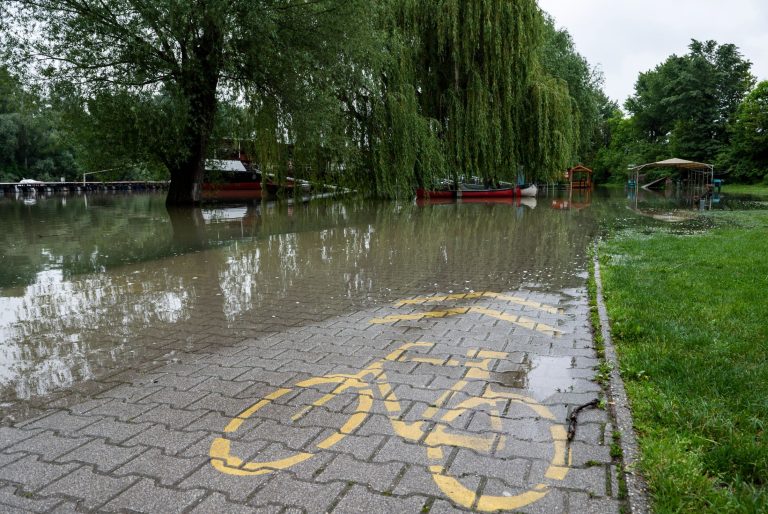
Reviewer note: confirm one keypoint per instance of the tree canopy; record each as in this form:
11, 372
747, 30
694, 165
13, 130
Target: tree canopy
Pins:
685, 105
749, 136
191, 53
380, 95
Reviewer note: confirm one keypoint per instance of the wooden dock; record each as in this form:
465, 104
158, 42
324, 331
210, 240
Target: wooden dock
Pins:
74, 187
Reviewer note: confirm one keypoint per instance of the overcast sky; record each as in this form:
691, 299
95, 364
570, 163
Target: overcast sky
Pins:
625, 37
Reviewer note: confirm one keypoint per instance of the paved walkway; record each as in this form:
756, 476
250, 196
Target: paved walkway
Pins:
430, 404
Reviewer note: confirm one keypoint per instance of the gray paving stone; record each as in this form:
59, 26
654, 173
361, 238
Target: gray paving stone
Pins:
114, 431
273, 378
236, 488
88, 405
7, 458
418, 480
63, 422
129, 393
395, 450
224, 372
174, 398
181, 369
591, 480
120, 410
49, 445
33, 473
225, 405
359, 499
511, 471
162, 468
590, 433
223, 387
171, 441
181, 383
145, 496
582, 502
554, 501
585, 454
378, 477
217, 502
11, 502
293, 437
65, 507
285, 490
218, 377
11, 435
91, 488
210, 422
359, 447
166, 415
104, 456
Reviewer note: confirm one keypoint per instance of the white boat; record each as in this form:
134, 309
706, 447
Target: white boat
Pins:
529, 190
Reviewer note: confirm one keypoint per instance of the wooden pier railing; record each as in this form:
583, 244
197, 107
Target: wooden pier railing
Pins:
73, 187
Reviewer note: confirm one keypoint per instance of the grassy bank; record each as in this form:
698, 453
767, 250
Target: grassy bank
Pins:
690, 320
743, 189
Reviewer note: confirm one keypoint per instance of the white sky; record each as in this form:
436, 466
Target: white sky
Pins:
626, 37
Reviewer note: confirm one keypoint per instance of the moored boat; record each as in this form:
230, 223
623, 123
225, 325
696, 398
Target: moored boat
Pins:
230, 175
478, 191
529, 190
423, 194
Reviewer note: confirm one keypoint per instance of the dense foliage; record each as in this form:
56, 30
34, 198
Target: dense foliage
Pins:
748, 154
31, 143
381, 95
189, 55
693, 107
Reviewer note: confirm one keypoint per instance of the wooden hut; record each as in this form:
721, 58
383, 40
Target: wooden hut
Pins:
580, 177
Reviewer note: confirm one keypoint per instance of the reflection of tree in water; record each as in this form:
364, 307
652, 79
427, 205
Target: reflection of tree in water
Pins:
188, 228
410, 249
158, 270
58, 330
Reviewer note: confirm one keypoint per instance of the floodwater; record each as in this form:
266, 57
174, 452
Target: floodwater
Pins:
97, 284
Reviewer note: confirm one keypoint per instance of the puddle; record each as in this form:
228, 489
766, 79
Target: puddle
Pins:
540, 376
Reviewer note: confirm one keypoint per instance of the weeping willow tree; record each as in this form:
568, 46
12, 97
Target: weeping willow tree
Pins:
464, 94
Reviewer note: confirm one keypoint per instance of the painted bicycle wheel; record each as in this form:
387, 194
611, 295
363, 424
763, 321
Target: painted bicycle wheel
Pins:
488, 436
224, 461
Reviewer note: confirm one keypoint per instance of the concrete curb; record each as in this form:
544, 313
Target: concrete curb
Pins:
620, 408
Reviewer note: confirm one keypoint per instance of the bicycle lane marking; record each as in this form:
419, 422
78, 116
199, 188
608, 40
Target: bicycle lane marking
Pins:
435, 438
521, 321
438, 437
220, 452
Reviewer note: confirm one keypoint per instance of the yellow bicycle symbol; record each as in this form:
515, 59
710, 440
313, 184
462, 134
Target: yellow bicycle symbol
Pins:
434, 430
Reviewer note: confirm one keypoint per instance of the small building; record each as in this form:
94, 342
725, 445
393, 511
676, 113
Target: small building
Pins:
579, 177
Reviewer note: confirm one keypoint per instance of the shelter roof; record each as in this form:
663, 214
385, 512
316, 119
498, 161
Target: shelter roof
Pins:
580, 168
224, 165
676, 163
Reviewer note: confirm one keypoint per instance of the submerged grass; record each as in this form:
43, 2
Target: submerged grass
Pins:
690, 321
744, 189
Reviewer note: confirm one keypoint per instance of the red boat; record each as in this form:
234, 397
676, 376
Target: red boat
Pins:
422, 194
476, 192
230, 175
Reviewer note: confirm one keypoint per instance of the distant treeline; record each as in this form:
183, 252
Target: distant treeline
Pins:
701, 106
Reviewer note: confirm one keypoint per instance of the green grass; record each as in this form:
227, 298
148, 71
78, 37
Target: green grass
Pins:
744, 189
690, 319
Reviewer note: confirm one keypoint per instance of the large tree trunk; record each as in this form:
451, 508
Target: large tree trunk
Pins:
198, 84
187, 175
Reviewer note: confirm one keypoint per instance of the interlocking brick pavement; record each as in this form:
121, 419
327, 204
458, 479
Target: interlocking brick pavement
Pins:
438, 427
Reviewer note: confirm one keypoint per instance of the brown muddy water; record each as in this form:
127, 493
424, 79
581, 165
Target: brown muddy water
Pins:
98, 284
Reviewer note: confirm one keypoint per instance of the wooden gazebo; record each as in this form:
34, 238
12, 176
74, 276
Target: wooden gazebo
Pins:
580, 177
